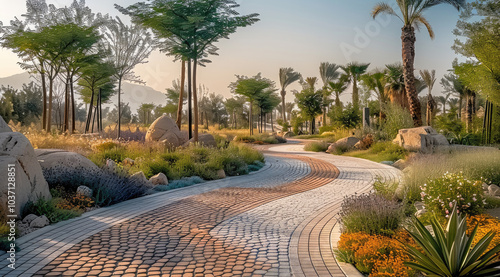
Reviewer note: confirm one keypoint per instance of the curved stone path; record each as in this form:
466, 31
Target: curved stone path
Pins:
275, 222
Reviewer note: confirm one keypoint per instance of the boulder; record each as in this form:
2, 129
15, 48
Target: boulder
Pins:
4, 127
345, 143
205, 140
400, 164
110, 165
84, 190
128, 161
159, 179
40, 222
288, 134
49, 158
29, 218
221, 174
18, 156
421, 139
485, 187
494, 190
165, 129
140, 178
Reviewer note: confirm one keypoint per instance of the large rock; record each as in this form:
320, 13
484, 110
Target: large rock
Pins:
141, 179
30, 184
159, 179
494, 190
205, 140
344, 143
4, 127
40, 222
422, 139
164, 129
84, 190
49, 158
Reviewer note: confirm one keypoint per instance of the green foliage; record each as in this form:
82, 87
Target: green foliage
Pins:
381, 151
440, 195
371, 214
310, 102
396, 118
449, 251
261, 139
184, 182
316, 146
474, 165
24, 106
50, 210
348, 118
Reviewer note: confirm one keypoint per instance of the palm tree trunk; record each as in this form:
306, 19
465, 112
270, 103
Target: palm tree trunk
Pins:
355, 94
460, 100
408, 51
283, 108
468, 113
181, 100
430, 109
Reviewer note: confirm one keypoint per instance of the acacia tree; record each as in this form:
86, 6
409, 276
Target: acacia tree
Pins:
412, 15
287, 77
251, 89
128, 46
189, 30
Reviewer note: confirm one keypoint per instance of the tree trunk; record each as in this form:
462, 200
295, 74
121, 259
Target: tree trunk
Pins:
460, 100
272, 124
73, 112
49, 112
181, 95
44, 104
408, 50
66, 105
355, 94
89, 115
430, 109
468, 113
190, 114
97, 110
250, 118
283, 107
118, 131
324, 116
195, 101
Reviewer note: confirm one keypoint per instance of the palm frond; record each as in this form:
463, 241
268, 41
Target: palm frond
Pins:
382, 8
421, 19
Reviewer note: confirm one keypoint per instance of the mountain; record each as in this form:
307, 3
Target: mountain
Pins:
133, 94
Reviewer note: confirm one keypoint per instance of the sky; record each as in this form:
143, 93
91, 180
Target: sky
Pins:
291, 33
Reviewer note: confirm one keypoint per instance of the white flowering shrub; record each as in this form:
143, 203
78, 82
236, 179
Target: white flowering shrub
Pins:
439, 195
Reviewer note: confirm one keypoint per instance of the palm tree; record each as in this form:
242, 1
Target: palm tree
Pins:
289, 106
453, 85
376, 82
328, 73
394, 85
412, 16
443, 100
429, 78
338, 87
354, 70
287, 77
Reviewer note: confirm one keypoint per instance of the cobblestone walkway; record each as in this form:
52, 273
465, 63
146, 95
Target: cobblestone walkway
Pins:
275, 222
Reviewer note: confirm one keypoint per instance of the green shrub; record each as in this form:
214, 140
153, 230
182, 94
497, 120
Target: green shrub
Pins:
439, 195
50, 210
316, 146
396, 118
371, 214
184, 182
449, 252
349, 118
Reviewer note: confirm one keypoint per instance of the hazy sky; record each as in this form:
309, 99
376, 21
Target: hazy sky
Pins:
291, 33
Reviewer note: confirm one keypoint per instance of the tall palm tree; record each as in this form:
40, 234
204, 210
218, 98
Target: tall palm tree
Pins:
429, 78
338, 87
287, 77
289, 108
328, 73
453, 85
412, 16
443, 100
376, 82
354, 70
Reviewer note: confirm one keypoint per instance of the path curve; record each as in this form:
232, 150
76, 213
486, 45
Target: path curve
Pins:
275, 222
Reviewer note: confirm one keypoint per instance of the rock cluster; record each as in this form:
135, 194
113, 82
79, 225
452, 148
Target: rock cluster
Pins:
344, 143
422, 139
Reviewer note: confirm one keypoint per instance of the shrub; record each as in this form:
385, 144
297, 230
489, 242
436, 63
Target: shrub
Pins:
50, 210
440, 194
474, 165
184, 182
375, 254
316, 146
370, 213
449, 251
349, 118
396, 118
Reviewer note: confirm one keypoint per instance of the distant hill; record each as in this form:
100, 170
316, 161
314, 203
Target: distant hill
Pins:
133, 94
